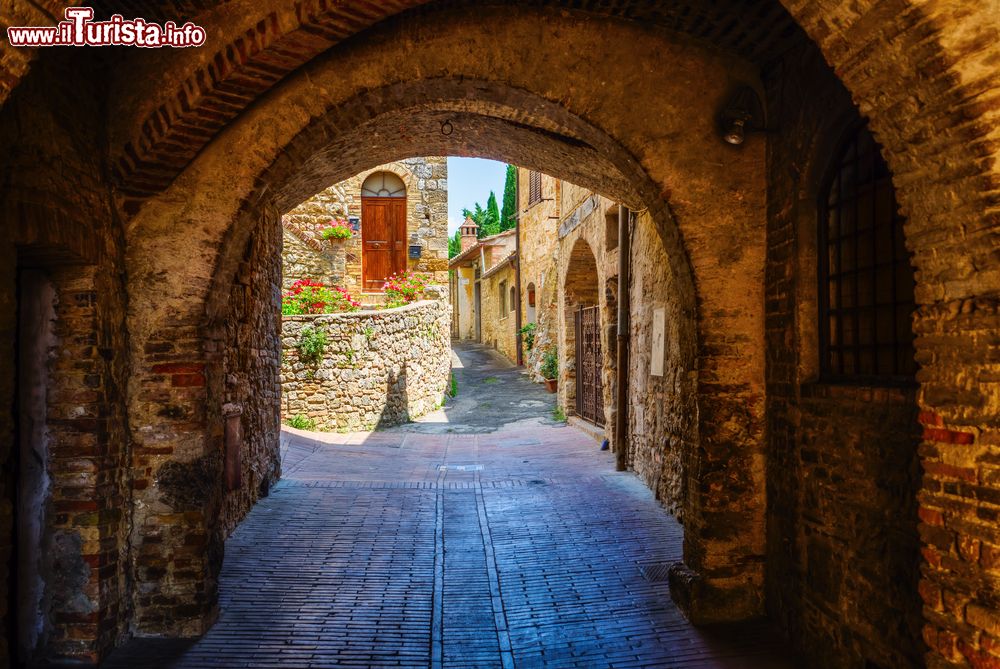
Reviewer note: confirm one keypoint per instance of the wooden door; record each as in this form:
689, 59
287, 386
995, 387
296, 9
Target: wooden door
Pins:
589, 388
383, 238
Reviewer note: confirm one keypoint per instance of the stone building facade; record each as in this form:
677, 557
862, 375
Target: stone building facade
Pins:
537, 224
305, 254
138, 185
499, 286
484, 290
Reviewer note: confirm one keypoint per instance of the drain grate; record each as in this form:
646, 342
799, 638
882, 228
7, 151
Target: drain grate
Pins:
461, 468
657, 572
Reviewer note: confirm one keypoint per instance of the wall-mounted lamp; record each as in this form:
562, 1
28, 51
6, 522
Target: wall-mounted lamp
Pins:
743, 112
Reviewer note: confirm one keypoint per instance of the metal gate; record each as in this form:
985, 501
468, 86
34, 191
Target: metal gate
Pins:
589, 391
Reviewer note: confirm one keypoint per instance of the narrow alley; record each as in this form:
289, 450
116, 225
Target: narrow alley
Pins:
456, 541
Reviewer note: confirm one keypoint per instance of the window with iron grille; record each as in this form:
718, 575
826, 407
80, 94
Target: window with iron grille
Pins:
503, 299
865, 277
534, 187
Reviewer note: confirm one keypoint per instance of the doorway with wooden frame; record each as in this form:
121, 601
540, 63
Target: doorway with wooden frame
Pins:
383, 229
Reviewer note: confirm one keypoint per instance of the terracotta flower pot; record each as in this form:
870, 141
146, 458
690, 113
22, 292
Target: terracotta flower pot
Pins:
551, 385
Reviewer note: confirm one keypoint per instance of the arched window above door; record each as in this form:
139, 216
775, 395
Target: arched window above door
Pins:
383, 184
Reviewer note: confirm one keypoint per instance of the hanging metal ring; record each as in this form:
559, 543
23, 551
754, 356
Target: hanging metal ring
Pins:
447, 128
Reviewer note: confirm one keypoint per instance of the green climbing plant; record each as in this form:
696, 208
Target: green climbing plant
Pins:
312, 344
528, 335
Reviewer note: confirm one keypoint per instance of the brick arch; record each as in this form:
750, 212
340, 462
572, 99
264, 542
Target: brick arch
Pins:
167, 126
877, 48
582, 154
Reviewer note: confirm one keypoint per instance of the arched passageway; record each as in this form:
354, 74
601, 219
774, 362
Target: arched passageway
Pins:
146, 188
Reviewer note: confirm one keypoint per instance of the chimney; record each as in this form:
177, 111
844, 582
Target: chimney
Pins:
469, 234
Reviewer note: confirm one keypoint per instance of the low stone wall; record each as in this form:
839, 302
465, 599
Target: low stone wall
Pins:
379, 368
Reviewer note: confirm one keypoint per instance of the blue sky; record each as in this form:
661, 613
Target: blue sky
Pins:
470, 180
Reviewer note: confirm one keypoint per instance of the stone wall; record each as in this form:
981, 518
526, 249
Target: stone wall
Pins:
308, 255
252, 377
662, 428
379, 368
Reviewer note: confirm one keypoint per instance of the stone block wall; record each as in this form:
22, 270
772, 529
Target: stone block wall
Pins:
308, 255
252, 383
379, 368
661, 419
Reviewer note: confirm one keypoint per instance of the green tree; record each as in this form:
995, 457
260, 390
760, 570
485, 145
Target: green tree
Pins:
492, 218
508, 212
455, 244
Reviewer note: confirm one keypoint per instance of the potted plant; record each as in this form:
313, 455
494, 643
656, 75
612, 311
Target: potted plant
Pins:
337, 229
550, 369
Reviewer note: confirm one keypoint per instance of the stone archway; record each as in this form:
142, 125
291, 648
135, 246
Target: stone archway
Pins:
937, 132
288, 181
581, 379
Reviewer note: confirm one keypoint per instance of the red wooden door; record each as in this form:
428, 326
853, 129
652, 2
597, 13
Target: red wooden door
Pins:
383, 238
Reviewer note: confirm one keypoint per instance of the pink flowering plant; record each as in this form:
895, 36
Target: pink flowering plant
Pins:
337, 229
313, 297
405, 287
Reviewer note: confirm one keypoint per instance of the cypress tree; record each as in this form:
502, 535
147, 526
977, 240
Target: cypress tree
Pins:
508, 213
492, 218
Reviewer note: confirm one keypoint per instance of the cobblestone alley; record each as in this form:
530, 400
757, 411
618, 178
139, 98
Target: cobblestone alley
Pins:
458, 542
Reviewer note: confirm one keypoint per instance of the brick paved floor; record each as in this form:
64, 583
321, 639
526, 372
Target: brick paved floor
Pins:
437, 546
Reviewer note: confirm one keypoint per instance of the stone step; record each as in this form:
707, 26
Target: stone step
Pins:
371, 298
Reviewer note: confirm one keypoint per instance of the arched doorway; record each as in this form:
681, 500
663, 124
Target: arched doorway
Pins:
584, 354
383, 229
